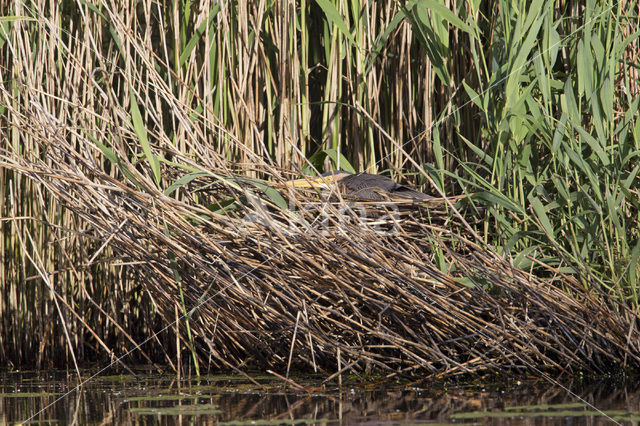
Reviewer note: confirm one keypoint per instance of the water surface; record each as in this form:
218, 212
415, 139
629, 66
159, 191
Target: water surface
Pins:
54, 397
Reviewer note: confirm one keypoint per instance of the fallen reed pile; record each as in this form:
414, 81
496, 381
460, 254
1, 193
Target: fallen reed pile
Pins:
282, 280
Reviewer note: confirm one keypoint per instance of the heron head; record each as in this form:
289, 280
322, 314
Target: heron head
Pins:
323, 181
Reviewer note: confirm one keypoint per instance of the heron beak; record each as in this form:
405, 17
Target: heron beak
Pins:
318, 182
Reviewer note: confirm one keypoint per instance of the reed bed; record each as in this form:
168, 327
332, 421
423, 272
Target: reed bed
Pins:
325, 286
145, 150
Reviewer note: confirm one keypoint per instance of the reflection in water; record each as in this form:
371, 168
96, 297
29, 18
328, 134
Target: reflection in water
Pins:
214, 399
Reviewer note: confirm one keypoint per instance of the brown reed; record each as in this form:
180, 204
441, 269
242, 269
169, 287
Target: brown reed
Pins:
370, 287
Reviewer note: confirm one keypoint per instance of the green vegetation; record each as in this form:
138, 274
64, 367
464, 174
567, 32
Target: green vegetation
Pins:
106, 113
561, 140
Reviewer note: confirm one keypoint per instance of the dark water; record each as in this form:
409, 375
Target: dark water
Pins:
55, 397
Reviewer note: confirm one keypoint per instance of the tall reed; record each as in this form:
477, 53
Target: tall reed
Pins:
532, 106
559, 153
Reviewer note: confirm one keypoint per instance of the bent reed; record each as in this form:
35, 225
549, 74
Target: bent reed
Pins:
331, 286
146, 152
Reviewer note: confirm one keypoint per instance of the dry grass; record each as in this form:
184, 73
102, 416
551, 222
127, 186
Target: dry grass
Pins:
319, 285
